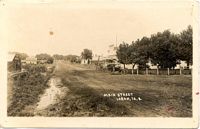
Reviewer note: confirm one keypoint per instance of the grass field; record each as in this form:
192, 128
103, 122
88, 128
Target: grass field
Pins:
165, 96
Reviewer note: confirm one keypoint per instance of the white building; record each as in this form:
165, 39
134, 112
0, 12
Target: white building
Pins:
30, 60
86, 61
112, 49
182, 65
152, 66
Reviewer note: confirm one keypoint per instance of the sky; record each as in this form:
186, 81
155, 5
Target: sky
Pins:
69, 27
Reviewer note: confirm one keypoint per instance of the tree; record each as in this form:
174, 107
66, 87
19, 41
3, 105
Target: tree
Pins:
140, 52
72, 58
44, 56
50, 60
163, 49
185, 45
86, 54
58, 57
123, 54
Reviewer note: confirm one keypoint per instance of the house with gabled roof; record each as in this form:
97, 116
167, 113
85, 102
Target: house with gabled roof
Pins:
13, 62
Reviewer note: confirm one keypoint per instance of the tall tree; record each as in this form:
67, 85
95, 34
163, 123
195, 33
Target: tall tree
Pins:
163, 50
142, 47
86, 54
123, 54
185, 45
140, 52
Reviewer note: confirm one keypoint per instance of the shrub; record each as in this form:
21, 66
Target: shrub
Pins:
35, 68
26, 90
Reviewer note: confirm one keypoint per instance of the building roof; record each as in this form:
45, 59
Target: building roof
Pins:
10, 57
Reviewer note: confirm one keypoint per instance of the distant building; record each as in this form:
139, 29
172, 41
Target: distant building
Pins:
110, 57
97, 59
129, 66
183, 65
112, 49
151, 65
14, 62
42, 61
30, 60
86, 61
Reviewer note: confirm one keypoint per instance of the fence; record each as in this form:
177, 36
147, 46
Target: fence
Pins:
159, 71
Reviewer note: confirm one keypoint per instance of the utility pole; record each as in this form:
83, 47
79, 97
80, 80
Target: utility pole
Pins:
116, 40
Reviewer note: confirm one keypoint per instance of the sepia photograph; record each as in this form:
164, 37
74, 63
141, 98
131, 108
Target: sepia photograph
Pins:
99, 59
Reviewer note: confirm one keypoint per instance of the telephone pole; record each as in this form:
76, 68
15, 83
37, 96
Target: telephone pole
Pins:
116, 40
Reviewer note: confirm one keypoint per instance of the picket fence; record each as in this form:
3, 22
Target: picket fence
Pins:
159, 71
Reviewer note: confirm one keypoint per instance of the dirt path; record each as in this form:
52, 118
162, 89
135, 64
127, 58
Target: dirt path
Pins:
52, 95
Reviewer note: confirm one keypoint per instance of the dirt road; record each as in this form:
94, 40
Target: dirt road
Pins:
95, 93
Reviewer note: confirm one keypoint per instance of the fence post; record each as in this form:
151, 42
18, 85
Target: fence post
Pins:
180, 71
157, 71
132, 71
114, 69
167, 71
146, 71
137, 71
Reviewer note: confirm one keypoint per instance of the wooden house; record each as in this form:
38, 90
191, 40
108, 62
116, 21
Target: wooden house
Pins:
14, 62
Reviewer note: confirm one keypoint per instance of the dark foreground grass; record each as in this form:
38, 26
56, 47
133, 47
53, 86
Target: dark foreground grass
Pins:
26, 90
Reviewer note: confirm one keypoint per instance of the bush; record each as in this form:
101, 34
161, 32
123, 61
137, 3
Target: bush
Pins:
35, 68
26, 90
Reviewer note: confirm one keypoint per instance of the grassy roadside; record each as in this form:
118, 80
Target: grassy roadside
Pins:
26, 90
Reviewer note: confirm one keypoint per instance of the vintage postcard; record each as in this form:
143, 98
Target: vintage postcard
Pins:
99, 63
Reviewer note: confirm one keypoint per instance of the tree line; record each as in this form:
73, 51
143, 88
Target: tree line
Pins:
85, 54
164, 49
71, 58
